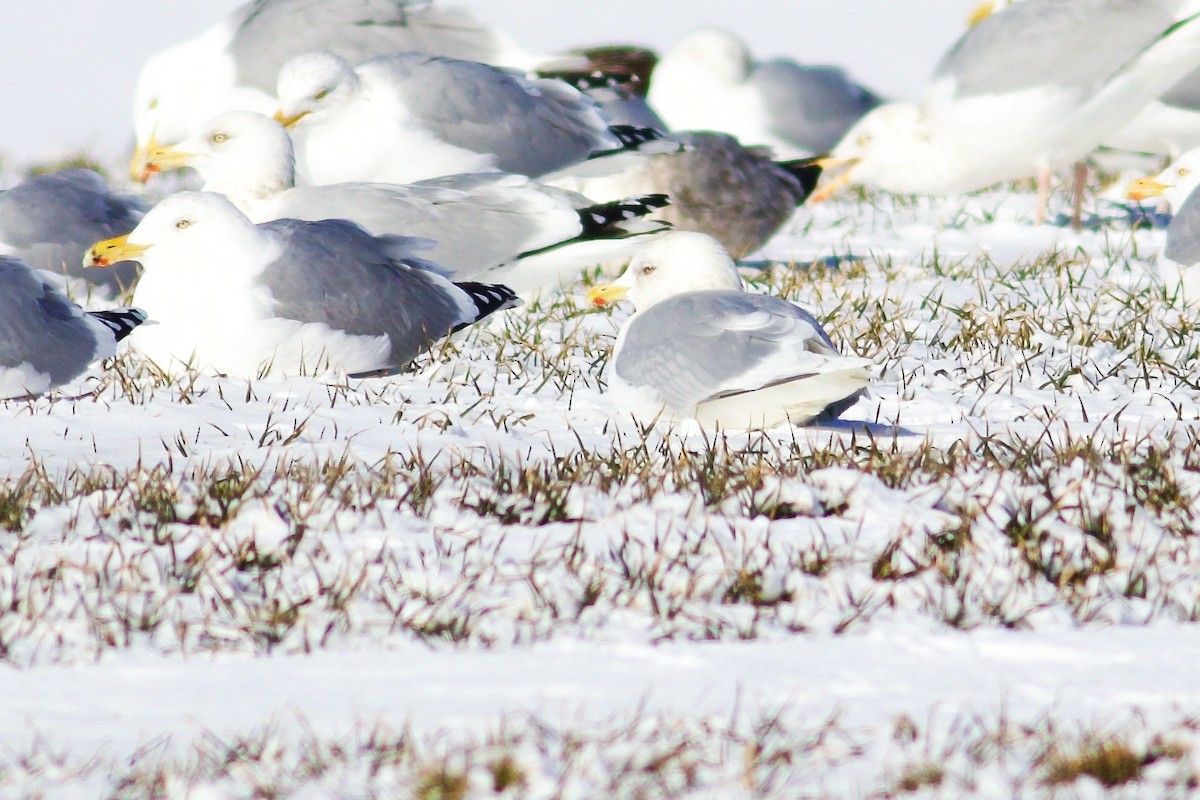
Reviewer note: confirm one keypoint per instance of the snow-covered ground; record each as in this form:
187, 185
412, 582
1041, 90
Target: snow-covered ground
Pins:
475, 577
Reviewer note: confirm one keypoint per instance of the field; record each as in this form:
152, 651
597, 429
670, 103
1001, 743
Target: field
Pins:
475, 580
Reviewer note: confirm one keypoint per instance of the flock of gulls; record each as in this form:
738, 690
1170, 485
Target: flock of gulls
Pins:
378, 174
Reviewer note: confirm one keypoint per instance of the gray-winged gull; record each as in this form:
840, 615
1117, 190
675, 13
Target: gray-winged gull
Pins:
709, 81
479, 222
285, 297
1179, 261
737, 195
1022, 93
49, 220
404, 117
699, 347
234, 64
45, 339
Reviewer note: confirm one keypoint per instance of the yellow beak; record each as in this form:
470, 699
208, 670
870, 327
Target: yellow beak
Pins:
164, 159
606, 294
838, 179
1142, 188
138, 171
112, 251
980, 13
288, 122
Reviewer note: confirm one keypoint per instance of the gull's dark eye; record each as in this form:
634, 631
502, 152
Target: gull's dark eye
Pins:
321, 95
217, 138
183, 223
648, 269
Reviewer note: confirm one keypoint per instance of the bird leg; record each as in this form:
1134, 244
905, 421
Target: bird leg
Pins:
1077, 186
1043, 194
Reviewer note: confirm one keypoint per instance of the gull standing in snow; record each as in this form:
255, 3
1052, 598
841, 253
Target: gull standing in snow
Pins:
699, 347
1021, 94
480, 223
737, 195
285, 297
1179, 261
50, 220
235, 63
45, 339
709, 81
404, 117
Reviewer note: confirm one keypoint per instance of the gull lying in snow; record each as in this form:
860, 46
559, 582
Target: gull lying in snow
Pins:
235, 63
1022, 93
45, 339
479, 222
700, 347
285, 297
709, 81
50, 220
403, 117
1179, 261
737, 195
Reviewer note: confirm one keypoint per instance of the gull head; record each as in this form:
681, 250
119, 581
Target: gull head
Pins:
891, 147
312, 83
674, 263
187, 228
1174, 183
239, 154
715, 54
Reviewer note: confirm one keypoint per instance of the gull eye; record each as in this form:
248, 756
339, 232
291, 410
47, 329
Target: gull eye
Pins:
217, 138
183, 223
864, 140
321, 95
1183, 171
648, 269
154, 104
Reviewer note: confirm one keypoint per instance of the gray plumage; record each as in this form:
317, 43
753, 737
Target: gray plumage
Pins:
1183, 233
811, 106
45, 339
703, 352
335, 273
1077, 44
1185, 94
50, 220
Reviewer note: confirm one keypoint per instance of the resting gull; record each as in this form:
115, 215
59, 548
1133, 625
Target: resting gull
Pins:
403, 117
700, 347
1179, 261
50, 220
45, 339
737, 195
479, 222
234, 64
287, 297
1022, 93
709, 81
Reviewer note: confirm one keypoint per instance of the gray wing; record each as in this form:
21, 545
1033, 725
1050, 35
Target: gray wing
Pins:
477, 221
274, 31
810, 106
40, 327
50, 220
1185, 94
1183, 234
1077, 44
737, 195
532, 126
335, 273
694, 346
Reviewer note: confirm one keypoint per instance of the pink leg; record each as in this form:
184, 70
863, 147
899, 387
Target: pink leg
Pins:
1043, 196
1077, 187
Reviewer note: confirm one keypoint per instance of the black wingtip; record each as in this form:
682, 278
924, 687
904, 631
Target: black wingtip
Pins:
805, 170
488, 299
120, 321
602, 219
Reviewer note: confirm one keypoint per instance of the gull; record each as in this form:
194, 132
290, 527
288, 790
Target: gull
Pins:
234, 64
287, 297
1021, 94
735, 194
710, 81
699, 347
1179, 261
482, 225
49, 221
404, 117
45, 339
